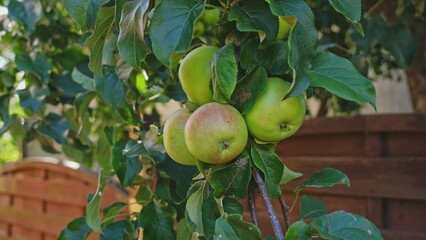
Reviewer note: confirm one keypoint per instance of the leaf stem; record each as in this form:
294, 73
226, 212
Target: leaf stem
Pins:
213, 7
252, 205
284, 210
371, 10
268, 204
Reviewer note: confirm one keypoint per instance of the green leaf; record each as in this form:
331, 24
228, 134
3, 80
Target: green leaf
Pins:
93, 208
249, 88
224, 72
37, 64
96, 42
53, 126
289, 175
401, 44
120, 230
232, 206
183, 232
110, 88
271, 165
131, 44
272, 58
76, 229
342, 225
32, 98
351, 9
233, 227
326, 177
311, 208
84, 12
82, 117
157, 220
172, 26
27, 12
232, 179
210, 214
194, 207
302, 41
376, 30
126, 167
110, 212
255, 16
223, 230
85, 81
135, 148
340, 77
298, 231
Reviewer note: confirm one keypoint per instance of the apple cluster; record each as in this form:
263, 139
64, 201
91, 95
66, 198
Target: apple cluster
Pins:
217, 133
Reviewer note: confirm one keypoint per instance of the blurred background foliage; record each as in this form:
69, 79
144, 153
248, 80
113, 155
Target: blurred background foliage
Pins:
48, 94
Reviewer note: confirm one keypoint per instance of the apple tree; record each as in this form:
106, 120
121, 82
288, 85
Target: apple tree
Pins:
242, 69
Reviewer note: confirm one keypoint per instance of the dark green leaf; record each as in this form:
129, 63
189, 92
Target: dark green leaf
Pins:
36, 63
172, 26
233, 227
130, 40
53, 126
273, 57
76, 229
233, 179
342, 225
111, 211
326, 177
298, 231
249, 88
96, 42
210, 214
135, 148
4, 109
93, 217
270, 164
126, 167
401, 44
376, 30
351, 9
157, 220
311, 208
82, 116
255, 16
84, 12
27, 12
232, 206
302, 42
224, 72
32, 98
120, 230
340, 77
110, 88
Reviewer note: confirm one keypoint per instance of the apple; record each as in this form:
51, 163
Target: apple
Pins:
174, 139
195, 74
210, 16
216, 133
272, 119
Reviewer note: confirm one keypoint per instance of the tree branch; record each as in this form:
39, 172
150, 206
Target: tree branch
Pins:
269, 208
284, 210
252, 205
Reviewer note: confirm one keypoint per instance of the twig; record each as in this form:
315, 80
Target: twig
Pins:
269, 208
252, 205
284, 210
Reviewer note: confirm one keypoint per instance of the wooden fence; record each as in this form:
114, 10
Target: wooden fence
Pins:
38, 197
385, 159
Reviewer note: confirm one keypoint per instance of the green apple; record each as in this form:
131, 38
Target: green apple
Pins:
272, 119
174, 139
210, 16
195, 74
216, 133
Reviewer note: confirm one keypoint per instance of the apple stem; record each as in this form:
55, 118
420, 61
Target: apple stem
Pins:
268, 204
284, 210
252, 204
